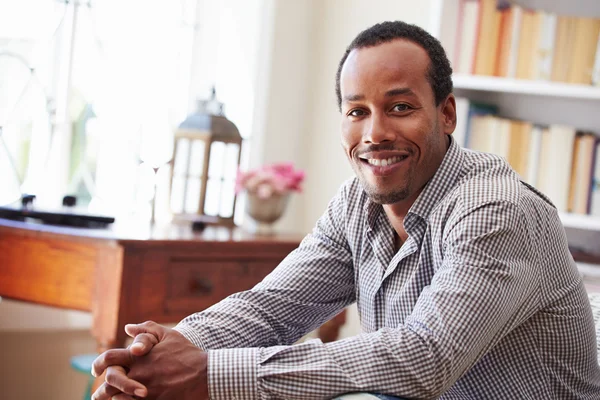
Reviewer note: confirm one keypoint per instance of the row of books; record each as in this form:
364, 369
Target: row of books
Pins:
558, 160
494, 37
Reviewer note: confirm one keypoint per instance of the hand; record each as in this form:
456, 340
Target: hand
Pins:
175, 368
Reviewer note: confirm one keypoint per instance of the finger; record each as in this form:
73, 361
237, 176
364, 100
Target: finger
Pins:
122, 396
142, 344
111, 357
105, 392
116, 376
147, 327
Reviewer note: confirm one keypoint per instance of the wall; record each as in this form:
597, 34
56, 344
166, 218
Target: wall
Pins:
282, 123
301, 121
338, 22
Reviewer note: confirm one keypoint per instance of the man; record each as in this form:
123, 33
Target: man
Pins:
461, 273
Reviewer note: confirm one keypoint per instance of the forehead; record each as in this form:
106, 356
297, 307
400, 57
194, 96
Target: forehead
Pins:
396, 63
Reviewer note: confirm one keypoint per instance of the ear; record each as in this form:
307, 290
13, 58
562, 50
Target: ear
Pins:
448, 114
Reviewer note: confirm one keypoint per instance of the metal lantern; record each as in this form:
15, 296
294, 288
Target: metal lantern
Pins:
204, 166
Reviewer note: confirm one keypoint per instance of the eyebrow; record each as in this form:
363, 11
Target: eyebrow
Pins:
398, 92
389, 93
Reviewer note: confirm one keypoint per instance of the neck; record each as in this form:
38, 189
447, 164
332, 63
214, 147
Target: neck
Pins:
396, 213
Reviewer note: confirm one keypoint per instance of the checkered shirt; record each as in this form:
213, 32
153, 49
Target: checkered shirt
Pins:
482, 301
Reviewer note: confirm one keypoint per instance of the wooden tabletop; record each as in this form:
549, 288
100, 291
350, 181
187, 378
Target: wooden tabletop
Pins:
143, 232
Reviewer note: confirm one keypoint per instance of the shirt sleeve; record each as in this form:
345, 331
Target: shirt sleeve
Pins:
310, 286
481, 292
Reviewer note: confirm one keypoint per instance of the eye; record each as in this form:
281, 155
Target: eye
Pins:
401, 107
357, 112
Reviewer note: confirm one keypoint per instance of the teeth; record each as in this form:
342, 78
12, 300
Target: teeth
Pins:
385, 162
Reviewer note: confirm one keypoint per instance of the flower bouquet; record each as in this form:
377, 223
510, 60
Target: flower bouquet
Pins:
268, 189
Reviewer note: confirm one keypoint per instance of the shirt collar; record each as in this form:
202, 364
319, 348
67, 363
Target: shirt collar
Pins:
442, 182
434, 191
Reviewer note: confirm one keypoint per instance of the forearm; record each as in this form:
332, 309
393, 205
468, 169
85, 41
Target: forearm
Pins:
257, 318
396, 362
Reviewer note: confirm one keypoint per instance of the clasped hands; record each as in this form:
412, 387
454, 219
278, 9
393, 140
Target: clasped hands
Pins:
160, 364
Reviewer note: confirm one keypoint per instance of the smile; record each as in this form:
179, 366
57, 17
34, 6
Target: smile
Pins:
385, 162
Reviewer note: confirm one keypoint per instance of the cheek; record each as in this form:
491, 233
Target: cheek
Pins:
420, 133
350, 136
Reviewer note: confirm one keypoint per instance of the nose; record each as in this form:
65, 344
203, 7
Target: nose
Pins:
377, 131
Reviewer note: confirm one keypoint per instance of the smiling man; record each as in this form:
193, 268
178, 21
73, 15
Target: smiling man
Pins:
461, 272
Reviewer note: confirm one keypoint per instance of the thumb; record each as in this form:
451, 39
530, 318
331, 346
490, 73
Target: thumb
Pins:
142, 344
150, 327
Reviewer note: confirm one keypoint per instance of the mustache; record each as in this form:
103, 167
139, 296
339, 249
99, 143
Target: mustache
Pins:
381, 147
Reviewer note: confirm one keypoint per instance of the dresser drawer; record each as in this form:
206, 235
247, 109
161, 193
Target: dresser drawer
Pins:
198, 285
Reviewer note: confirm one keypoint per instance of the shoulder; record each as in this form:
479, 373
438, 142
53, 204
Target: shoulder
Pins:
487, 178
487, 183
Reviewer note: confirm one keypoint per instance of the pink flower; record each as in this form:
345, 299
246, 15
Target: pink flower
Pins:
271, 179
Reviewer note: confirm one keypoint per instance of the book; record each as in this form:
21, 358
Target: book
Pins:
594, 208
531, 23
468, 37
545, 50
563, 48
462, 120
555, 164
477, 109
520, 143
535, 149
508, 42
581, 65
501, 142
491, 134
449, 35
487, 44
581, 173
596, 69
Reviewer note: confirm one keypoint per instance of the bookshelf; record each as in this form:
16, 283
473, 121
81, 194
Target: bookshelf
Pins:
578, 7
463, 83
577, 221
545, 100
541, 101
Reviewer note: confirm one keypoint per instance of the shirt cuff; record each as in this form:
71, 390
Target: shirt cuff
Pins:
190, 334
232, 374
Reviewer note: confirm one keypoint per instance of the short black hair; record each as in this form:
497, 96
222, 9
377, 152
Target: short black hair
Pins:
439, 73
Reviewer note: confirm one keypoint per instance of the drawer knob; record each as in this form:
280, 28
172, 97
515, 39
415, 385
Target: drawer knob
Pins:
201, 286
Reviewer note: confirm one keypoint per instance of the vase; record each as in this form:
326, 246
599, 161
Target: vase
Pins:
266, 211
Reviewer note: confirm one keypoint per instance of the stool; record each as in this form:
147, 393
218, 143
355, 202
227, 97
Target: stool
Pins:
83, 363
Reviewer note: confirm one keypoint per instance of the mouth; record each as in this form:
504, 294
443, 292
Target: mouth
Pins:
383, 164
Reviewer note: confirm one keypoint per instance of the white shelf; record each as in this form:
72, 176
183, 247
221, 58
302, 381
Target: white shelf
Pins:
534, 88
589, 270
582, 8
579, 221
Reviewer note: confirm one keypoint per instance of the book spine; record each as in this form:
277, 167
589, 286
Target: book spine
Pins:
546, 47
517, 15
596, 69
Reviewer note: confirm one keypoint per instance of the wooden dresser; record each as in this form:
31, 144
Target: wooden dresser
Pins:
132, 274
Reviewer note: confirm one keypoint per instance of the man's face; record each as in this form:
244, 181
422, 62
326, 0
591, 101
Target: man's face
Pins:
392, 131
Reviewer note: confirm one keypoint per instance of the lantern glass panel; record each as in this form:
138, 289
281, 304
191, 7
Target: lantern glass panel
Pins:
217, 154
213, 197
231, 160
197, 159
228, 195
181, 156
177, 194
192, 196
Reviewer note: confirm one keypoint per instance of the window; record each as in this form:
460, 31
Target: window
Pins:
111, 81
